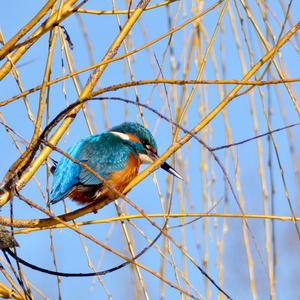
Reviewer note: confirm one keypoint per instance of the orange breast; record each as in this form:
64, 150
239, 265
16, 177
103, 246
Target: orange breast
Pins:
122, 178
119, 180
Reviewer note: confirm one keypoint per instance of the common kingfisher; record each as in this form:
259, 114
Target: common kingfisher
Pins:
115, 155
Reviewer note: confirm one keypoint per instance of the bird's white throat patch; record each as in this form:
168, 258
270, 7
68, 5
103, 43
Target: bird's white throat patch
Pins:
121, 135
145, 159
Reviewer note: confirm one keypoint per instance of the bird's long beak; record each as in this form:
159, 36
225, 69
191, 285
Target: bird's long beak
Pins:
165, 166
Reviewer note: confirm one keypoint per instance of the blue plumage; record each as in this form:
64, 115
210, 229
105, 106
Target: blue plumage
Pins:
104, 153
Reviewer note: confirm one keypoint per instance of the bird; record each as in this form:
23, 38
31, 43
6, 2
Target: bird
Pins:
115, 155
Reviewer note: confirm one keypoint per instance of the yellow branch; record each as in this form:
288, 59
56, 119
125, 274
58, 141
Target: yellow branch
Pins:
123, 85
30, 226
8, 45
122, 12
7, 293
46, 26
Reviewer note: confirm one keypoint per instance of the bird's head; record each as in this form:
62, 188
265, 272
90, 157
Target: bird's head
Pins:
141, 139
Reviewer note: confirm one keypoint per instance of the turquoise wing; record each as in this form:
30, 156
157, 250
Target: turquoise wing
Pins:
104, 156
104, 153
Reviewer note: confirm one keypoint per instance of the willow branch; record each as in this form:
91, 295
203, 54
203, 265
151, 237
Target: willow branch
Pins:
45, 27
30, 225
9, 44
124, 85
122, 12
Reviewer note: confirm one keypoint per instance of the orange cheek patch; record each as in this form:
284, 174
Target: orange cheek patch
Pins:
133, 138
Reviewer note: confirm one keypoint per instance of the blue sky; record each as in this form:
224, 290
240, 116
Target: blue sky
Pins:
200, 239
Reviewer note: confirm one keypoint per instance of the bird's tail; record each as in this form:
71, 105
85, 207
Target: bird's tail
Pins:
53, 164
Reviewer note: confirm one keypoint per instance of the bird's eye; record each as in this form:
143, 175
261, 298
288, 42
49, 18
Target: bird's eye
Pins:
148, 147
